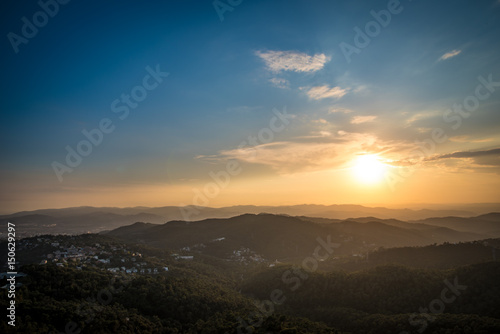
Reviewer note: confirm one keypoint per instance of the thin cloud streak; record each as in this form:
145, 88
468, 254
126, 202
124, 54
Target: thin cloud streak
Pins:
467, 154
324, 92
450, 54
362, 119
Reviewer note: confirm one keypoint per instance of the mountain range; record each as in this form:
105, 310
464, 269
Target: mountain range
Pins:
87, 219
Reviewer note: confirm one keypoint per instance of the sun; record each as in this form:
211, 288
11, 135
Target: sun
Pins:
369, 169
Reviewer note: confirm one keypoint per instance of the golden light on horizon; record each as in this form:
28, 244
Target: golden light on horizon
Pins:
369, 169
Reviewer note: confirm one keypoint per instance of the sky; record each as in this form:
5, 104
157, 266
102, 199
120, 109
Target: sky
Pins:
219, 103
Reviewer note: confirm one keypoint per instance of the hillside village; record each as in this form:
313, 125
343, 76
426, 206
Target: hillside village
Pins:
97, 252
61, 250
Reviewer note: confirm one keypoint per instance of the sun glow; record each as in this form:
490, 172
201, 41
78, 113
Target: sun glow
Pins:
369, 169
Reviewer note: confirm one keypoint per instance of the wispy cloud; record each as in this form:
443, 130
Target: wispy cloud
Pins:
469, 139
450, 54
468, 154
324, 92
362, 119
473, 161
418, 118
324, 151
320, 121
341, 110
280, 83
293, 61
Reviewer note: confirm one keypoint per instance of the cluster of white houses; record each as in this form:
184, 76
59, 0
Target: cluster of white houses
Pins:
246, 255
131, 262
134, 270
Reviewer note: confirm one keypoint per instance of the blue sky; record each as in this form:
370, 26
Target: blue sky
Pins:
225, 78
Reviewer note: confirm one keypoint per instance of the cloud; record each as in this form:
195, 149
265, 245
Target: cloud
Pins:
341, 110
293, 61
422, 120
362, 119
450, 54
361, 89
321, 121
467, 154
324, 151
280, 83
469, 139
472, 161
323, 92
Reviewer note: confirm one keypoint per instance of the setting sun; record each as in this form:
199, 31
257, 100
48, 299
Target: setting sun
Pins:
369, 169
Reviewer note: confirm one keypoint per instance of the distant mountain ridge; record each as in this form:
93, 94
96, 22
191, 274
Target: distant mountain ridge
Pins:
338, 211
86, 219
486, 224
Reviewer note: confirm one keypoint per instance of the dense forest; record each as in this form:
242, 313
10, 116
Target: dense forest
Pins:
392, 292
54, 300
389, 298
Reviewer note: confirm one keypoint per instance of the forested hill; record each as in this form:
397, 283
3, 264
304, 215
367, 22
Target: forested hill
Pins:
287, 238
443, 256
388, 299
